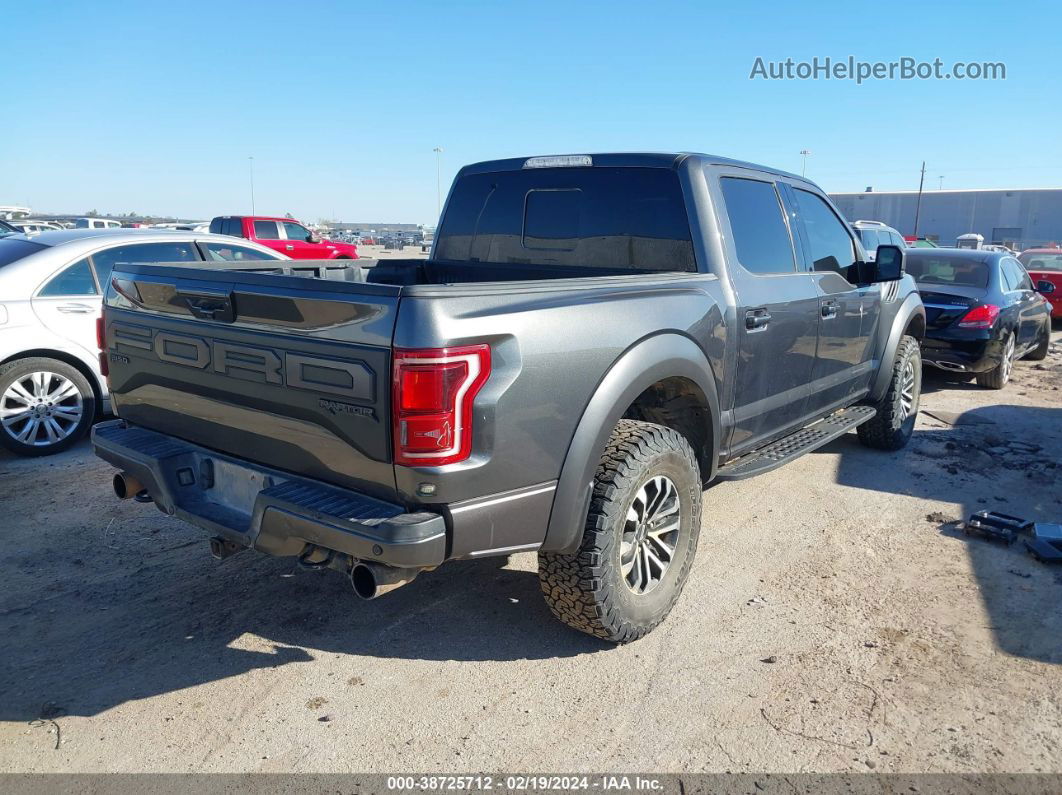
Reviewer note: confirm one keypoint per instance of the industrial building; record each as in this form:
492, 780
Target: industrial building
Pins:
1019, 218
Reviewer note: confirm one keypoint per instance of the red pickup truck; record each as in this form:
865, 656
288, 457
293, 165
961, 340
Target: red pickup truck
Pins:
285, 235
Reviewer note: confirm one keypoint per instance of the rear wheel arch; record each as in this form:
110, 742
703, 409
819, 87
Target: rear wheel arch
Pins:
910, 315
665, 379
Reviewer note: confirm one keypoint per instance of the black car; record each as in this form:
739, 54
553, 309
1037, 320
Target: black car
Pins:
982, 312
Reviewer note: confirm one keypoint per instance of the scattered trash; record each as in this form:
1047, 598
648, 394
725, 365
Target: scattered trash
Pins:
996, 526
326, 718
756, 601
772, 659
1044, 540
939, 516
1023, 574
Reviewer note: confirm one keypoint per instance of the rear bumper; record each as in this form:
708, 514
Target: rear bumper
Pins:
265, 509
965, 355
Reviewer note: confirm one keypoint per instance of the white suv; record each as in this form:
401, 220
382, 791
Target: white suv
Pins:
875, 233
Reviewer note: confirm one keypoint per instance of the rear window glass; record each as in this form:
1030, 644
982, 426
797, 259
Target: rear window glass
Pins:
13, 250
74, 280
928, 269
1042, 262
624, 218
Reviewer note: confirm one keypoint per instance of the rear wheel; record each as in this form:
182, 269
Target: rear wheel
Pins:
892, 426
1039, 353
997, 377
45, 406
639, 540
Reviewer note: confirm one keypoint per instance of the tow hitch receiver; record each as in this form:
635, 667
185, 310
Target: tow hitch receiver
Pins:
222, 548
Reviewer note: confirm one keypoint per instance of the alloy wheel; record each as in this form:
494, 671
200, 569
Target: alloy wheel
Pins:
41, 409
1008, 358
907, 390
650, 534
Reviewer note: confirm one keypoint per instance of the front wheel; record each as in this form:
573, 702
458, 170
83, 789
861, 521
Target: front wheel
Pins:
639, 540
892, 426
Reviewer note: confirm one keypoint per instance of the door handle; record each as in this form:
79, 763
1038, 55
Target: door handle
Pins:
829, 311
75, 309
757, 319
289, 247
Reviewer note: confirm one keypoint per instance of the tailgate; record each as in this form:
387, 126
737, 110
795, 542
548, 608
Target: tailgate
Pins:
289, 372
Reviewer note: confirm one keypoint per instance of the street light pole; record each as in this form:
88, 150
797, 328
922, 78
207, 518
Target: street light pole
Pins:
251, 160
804, 167
438, 182
918, 206
941, 185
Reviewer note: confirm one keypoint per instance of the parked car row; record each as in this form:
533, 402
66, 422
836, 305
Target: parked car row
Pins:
283, 235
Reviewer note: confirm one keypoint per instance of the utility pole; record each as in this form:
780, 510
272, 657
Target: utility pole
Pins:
804, 166
251, 160
438, 182
941, 185
918, 206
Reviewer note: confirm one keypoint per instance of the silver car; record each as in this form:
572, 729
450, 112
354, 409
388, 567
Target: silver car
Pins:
51, 389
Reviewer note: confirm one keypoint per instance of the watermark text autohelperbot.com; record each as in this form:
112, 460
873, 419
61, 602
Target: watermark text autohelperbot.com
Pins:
851, 68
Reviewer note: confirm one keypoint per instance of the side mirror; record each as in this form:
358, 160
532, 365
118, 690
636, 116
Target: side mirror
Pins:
888, 265
312, 238
1044, 286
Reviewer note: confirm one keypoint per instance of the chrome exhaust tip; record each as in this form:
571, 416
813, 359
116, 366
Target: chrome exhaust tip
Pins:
371, 580
126, 486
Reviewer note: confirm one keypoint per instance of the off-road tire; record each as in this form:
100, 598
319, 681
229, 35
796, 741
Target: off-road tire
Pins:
891, 429
1039, 353
20, 368
587, 590
998, 376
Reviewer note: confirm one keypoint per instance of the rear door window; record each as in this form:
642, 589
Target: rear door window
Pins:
73, 280
266, 230
183, 251
609, 218
223, 252
761, 237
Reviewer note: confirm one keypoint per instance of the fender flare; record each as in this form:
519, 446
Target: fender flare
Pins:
908, 309
639, 367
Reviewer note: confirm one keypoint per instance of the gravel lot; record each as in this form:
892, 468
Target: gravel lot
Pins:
828, 625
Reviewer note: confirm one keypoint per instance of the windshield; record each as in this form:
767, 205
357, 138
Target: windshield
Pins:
947, 271
625, 218
12, 250
1042, 262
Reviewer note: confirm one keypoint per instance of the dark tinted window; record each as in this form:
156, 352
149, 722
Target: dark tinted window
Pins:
223, 252
958, 271
756, 221
266, 230
142, 252
13, 250
831, 246
1017, 278
76, 279
871, 239
626, 218
217, 225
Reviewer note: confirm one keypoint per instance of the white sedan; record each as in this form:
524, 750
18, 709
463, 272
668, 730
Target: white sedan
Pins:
51, 287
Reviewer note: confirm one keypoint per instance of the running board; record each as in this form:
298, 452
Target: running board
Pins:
810, 437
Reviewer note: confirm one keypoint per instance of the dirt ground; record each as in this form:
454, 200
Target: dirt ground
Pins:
835, 620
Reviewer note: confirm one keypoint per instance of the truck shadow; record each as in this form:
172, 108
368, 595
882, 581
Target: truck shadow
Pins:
985, 461
135, 607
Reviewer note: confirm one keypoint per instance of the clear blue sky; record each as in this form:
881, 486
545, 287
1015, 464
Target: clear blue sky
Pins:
155, 108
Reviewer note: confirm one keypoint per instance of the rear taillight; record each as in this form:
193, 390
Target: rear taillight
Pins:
101, 343
983, 316
433, 390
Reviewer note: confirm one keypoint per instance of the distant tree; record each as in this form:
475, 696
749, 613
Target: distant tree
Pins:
289, 215
92, 213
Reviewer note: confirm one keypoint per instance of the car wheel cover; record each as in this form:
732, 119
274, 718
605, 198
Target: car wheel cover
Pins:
907, 390
650, 534
1008, 357
40, 409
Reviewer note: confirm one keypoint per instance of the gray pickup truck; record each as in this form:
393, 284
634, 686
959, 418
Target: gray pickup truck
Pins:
592, 341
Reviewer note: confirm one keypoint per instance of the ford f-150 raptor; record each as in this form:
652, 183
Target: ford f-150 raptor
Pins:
592, 341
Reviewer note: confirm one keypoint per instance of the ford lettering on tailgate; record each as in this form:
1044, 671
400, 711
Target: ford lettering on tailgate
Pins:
351, 380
